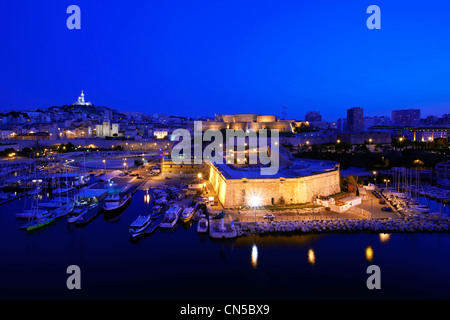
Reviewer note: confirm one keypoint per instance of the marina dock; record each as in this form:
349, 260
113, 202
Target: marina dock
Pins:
12, 198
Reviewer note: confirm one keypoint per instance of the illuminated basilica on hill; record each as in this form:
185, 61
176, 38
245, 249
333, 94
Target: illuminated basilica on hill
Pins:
81, 102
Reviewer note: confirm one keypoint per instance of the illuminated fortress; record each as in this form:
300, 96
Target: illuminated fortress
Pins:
297, 181
246, 122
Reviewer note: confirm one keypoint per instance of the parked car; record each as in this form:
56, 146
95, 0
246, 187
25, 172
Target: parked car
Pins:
269, 216
386, 209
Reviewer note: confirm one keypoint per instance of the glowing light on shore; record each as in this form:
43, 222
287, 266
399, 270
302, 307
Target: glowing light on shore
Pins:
311, 257
384, 237
369, 253
147, 198
254, 256
254, 201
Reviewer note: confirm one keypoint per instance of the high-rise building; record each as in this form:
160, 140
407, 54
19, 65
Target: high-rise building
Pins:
341, 125
99, 130
407, 117
355, 119
313, 116
376, 121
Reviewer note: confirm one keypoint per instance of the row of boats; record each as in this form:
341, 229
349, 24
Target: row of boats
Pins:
436, 193
39, 218
168, 219
406, 204
74, 210
163, 214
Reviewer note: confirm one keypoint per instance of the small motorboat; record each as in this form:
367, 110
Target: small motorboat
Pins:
202, 226
140, 224
187, 214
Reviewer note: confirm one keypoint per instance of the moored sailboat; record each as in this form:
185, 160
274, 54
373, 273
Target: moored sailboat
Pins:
40, 222
64, 209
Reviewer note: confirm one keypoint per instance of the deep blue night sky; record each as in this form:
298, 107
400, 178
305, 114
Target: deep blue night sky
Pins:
235, 56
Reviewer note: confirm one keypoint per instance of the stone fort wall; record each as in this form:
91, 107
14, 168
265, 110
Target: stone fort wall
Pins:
236, 192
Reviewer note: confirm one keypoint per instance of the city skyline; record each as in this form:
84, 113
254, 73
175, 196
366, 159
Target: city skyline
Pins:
197, 58
298, 118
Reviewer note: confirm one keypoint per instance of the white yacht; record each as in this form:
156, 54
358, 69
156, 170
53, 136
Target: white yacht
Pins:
115, 202
171, 217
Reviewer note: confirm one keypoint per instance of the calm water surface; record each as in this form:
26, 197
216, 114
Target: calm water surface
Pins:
181, 264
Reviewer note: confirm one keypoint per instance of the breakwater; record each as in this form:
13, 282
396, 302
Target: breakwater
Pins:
345, 225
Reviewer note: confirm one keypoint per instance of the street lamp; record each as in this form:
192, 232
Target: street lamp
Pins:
371, 205
254, 202
375, 173
387, 180
104, 164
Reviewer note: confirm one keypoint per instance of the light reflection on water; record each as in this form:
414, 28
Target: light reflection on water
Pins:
369, 254
254, 256
384, 237
311, 257
147, 198
157, 259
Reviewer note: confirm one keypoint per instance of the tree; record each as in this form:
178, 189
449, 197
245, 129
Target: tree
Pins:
343, 147
7, 151
66, 147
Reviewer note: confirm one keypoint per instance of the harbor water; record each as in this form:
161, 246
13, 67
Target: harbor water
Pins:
181, 264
